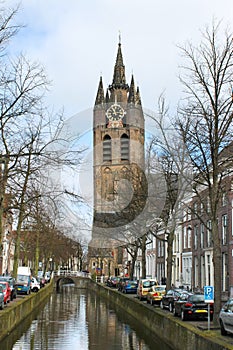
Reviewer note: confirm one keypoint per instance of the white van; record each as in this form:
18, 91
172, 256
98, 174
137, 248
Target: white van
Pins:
144, 285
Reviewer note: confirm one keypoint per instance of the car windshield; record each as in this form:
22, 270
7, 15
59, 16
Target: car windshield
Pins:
197, 298
133, 283
22, 278
3, 286
146, 284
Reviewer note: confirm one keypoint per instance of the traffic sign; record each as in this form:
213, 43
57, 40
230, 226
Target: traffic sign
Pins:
209, 294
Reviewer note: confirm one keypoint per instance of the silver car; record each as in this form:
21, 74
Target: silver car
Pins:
226, 318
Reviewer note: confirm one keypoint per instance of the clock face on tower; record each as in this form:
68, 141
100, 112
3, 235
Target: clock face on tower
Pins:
115, 113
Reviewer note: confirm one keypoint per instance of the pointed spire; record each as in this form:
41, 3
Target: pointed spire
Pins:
100, 93
119, 80
138, 98
107, 98
132, 92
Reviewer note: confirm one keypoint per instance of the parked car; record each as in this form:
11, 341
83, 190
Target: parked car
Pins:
144, 285
6, 290
112, 281
121, 283
226, 317
169, 298
196, 307
40, 278
155, 294
35, 285
1, 298
12, 284
47, 276
130, 287
179, 303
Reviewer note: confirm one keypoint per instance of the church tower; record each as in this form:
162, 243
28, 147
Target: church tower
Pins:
118, 141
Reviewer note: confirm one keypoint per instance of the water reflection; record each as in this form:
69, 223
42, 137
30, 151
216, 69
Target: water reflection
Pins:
77, 319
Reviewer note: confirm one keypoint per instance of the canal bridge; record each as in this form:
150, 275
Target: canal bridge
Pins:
80, 279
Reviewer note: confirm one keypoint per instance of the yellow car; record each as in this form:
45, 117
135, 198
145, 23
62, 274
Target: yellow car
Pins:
155, 294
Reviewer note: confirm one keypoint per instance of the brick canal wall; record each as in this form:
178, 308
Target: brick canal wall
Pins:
177, 334
16, 311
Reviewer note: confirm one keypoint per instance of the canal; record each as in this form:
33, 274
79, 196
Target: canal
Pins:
78, 319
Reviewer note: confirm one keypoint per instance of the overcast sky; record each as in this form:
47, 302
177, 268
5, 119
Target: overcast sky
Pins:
76, 41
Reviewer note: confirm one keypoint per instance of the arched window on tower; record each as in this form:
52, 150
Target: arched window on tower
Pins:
107, 148
124, 147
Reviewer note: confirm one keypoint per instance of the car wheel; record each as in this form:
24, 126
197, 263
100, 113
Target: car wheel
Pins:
161, 304
183, 316
170, 307
223, 331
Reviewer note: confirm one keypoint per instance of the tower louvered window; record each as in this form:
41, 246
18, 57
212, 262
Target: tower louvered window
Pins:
107, 148
124, 147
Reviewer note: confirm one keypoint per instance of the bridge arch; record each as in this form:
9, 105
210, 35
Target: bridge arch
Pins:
78, 279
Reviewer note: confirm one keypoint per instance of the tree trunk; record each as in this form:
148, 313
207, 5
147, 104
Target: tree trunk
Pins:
143, 247
170, 239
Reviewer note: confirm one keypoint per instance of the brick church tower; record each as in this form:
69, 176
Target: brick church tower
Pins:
118, 141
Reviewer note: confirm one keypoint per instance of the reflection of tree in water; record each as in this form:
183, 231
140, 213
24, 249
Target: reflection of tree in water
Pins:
86, 321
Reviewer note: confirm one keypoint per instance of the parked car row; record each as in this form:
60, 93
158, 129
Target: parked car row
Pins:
187, 305
24, 284
180, 302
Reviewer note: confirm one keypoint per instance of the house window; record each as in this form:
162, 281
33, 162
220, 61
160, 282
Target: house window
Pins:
195, 208
185, 237
189, 216
196, 237
209, 233
189, 237
124, 147
202, 208
224, 199
202, 235
224, 272
224, 229
208, 205
107, 148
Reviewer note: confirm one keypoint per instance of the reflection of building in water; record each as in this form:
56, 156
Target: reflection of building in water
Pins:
119, 180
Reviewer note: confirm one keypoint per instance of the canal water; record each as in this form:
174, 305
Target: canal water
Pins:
80, 320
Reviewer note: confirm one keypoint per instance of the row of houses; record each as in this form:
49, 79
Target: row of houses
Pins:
192, 260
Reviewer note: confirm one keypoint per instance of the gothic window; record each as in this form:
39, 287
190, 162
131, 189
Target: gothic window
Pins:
124, 147
107, 148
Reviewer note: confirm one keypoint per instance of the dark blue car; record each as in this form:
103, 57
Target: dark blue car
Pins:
130, 287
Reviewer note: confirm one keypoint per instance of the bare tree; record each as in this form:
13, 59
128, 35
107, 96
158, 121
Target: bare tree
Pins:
168, 165
26, 134
205, 124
